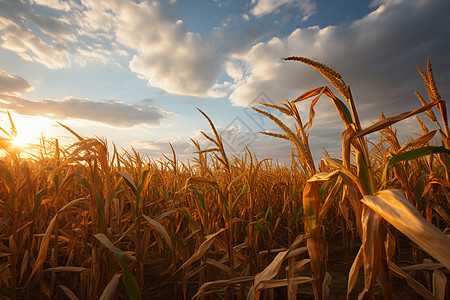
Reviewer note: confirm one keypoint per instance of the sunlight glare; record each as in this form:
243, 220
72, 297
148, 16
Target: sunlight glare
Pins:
29, 129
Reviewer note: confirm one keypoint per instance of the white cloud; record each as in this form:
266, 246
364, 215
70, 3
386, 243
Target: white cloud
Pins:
373, 51
264, 7
54, 4
30, 47
160, 48
167, 55
16, 35
234, 70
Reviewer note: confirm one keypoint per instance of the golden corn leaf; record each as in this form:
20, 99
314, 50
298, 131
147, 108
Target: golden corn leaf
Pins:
46, 239
202, 248
160, 229
393, 206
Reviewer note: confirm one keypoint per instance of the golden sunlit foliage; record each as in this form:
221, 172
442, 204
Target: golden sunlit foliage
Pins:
87, 222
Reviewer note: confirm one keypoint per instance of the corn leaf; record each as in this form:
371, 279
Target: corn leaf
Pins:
128, 279
393, 206
416, 153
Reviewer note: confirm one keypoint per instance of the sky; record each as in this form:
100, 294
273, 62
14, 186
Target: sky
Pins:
135, 72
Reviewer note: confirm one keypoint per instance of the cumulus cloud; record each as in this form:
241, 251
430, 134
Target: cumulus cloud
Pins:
111, 112
376, 52
171, 57
166, 54
30, 47
16, 35
264, 7
157, 45
57, 34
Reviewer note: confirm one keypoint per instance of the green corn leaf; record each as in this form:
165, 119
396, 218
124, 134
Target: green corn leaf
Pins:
200, 197
127, 278
37, 202
163, 215
268, 210
299, 214
129, 181
385, 176
239, 197
293, 194
188, 216
223, 200
343, 108
259, 227
118, 192
416, 153
138, 205
311, 219
418, 191
182, 211
84, 182
363, 173
144, 177
100, 213
326, 186
163, 193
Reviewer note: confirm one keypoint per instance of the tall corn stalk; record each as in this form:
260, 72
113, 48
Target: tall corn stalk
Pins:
359, 184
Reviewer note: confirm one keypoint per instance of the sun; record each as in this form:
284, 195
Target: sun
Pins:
23, 141
29, 130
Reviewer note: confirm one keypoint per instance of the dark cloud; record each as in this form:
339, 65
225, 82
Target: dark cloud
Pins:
376, 55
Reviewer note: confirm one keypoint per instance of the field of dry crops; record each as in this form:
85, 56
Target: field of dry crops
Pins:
86, 222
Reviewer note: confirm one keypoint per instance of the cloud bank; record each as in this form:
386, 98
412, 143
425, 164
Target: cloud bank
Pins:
377, 51
111, 112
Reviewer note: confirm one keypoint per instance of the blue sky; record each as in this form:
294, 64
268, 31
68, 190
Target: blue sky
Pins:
135, 71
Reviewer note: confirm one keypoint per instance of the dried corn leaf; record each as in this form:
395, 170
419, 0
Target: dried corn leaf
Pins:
270, 271
276, 283
429, 265
110, 290
392, 120
160, 229
42, 254
68, 292
371, 250
206, 287
439, 284
67, 269
354, 271
420, 141
416, 286
202, 248
393, 206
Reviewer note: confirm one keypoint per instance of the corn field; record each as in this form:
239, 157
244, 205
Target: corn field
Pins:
82, 221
